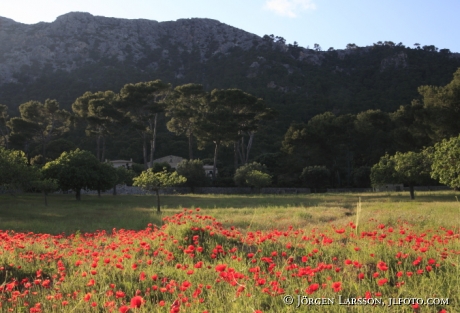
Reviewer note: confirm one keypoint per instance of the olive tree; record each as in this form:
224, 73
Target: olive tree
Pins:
258, 179
243, 171
446, 162
409, 168
15, 173
75, 170
149, 180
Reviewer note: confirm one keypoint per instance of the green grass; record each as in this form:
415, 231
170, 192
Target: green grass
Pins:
321, 232
27, 212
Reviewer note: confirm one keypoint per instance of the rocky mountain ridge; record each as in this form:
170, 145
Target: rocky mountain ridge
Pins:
79, 52
77, 38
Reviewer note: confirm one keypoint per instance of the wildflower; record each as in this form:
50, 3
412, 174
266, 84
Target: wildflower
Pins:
87, 297
382, 281
221, 267
312, 288
337, 286
142, 276
137, 301
123, 309
119, 294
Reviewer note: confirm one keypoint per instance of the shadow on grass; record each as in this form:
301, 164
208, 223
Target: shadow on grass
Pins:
64, 214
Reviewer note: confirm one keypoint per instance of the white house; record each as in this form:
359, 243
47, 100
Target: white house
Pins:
170, 159
125, 163
208, 170
174, 160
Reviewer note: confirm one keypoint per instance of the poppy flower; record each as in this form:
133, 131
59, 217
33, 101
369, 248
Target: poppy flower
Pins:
312, 288
123, 309
337, 286
137, 301
382, 281
221, 267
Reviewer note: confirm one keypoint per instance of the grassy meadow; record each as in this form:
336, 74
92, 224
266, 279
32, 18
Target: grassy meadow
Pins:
369, 252
65, 214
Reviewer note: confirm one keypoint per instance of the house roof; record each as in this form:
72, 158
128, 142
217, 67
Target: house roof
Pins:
167, 157
120, 161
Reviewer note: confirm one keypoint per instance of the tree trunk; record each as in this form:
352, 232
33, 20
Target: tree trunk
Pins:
158, 201
144, 150
242, 151
251, 139
5, 136
115, 189
43, 151
103, 149
98, 152
214, 166
235, 155
78, 194
99, 193
154, 137
411, 190
190, 145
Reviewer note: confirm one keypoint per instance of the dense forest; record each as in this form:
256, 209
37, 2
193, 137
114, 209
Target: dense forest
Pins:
341, 109
148, 120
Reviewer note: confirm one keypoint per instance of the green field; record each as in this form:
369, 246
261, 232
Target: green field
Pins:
235, 254
27, 212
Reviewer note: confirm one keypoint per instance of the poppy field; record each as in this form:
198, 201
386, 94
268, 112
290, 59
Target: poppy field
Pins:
190, 261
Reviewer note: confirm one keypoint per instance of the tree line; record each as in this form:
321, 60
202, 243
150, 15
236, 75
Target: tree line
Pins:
227, 117
341, 150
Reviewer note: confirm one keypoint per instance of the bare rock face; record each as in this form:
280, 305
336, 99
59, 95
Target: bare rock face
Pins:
79, 38
398, 60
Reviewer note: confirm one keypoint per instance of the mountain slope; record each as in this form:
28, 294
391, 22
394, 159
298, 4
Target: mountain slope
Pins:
79, 52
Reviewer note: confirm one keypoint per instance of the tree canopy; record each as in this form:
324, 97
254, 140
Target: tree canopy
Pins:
75, 170
194, 172
154, 181
39, 122
409, 168
446, 162
15, 173
142, 102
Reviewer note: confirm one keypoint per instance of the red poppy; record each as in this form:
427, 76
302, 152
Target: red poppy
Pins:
137, 301
123, 309
312, 288
221, 267
337, 286
382, 281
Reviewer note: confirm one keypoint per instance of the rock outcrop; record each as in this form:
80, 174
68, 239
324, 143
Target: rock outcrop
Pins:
75, 39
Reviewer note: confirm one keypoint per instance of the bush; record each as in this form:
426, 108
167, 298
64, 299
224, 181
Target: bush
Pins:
15, 173
242, 172
316, 177
160, 167
258, 179
194, 172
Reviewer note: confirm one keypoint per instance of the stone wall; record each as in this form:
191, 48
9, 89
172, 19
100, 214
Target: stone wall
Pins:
125, 190
428, 188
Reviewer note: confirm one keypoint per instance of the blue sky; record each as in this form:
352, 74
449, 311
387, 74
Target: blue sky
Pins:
330, 23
